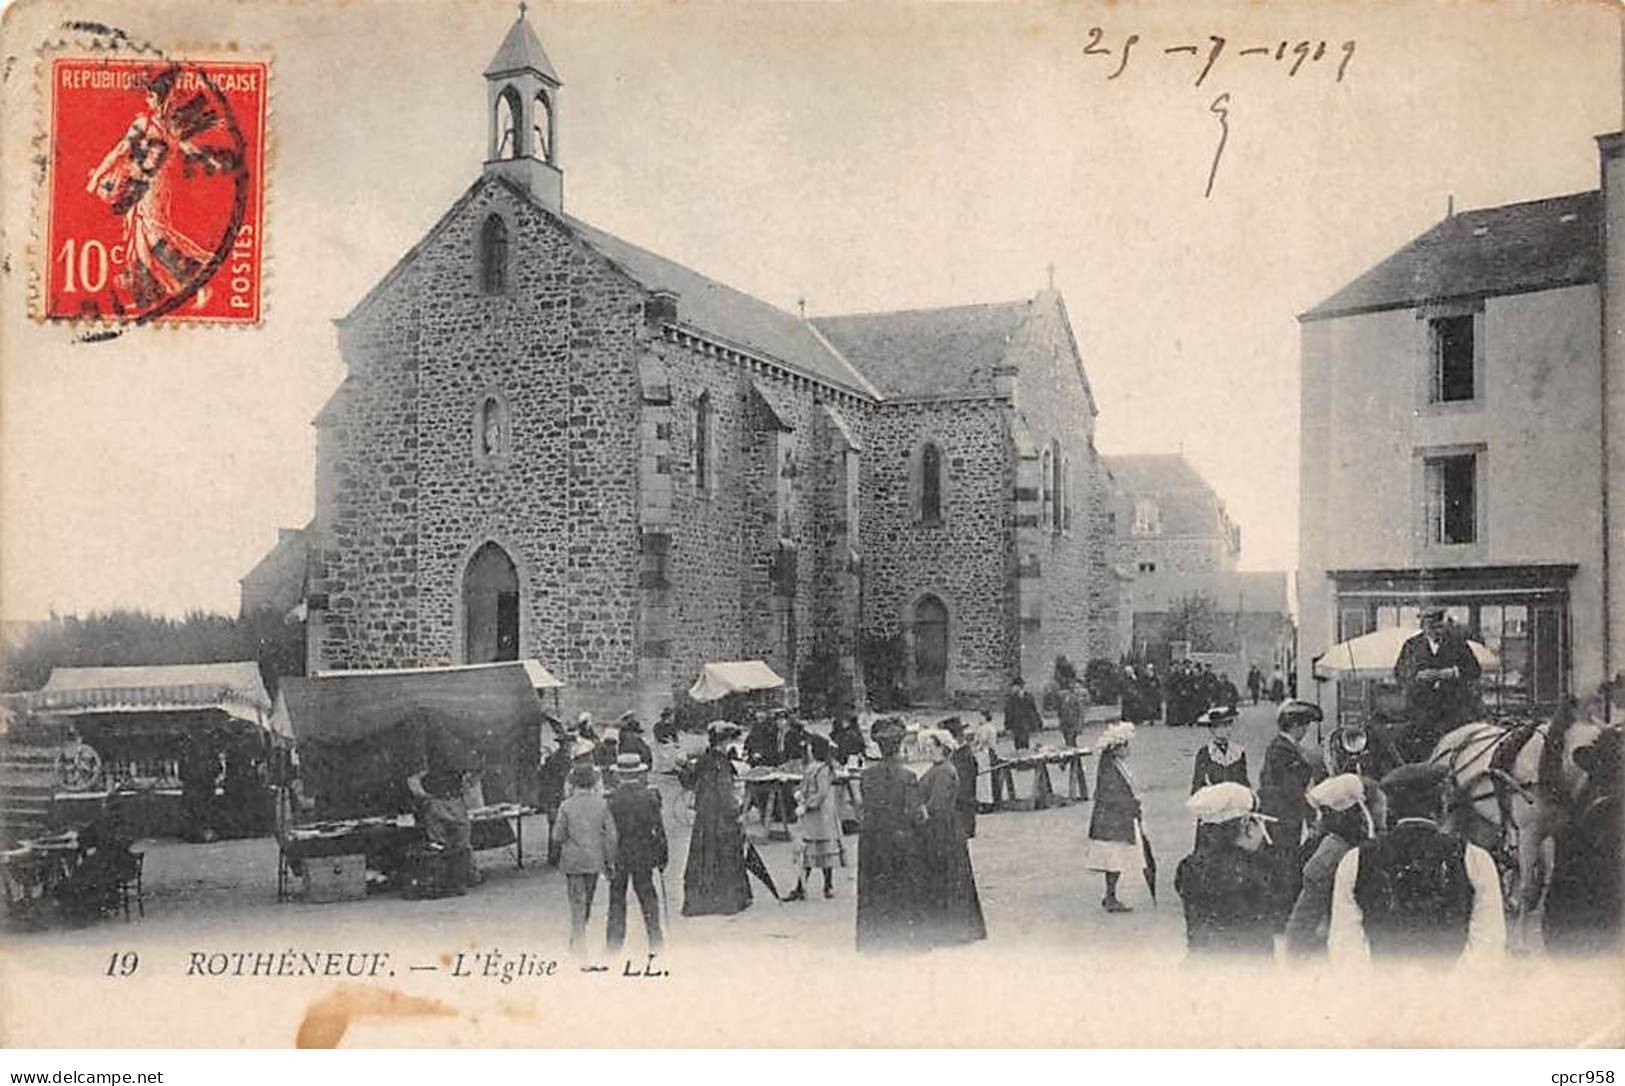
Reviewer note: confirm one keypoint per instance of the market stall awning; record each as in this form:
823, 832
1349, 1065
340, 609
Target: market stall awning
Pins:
733, 677
235, 689
540, 677
346, 706
361, 733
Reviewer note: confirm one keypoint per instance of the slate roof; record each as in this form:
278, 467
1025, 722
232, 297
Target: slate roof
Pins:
928, 352
521, 49
1511, 249
1150, 472
740, 318
907, 354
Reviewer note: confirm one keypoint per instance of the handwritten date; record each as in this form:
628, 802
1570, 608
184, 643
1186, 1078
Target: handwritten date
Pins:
1293, 56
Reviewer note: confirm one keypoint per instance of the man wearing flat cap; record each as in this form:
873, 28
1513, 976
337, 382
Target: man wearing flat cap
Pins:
1437, 670
1416, 892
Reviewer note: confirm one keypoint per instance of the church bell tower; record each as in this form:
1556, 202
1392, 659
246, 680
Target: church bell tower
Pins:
523, 99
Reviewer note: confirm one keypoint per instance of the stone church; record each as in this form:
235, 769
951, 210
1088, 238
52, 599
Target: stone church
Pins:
552, 443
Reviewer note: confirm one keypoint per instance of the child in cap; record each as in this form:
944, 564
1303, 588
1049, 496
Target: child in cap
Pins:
1351, 812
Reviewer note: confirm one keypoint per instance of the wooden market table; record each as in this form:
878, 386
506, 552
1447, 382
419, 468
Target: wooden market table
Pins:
386, 839
1038, 762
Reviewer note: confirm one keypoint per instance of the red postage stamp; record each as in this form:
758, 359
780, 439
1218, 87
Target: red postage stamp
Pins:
156, 190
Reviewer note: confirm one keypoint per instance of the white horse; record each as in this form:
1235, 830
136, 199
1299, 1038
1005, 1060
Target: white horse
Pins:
1514, 802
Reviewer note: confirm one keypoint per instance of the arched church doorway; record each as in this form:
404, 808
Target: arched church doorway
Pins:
490, 607
930, 651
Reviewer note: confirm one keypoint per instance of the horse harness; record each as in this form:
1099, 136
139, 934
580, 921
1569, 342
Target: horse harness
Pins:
1503, 748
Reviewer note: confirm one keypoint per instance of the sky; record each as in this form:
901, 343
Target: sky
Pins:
859, 157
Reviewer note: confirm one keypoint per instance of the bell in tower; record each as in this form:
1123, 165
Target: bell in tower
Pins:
523, 108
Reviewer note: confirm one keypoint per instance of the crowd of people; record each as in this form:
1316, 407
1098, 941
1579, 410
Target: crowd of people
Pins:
1338, 850
1179, 695
1358, 862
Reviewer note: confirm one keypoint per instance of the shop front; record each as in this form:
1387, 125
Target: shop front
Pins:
1521, 613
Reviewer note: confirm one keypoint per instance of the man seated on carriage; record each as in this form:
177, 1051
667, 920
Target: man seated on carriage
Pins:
1438, 672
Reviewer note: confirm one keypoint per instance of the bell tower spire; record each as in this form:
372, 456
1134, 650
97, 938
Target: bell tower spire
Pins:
523, 97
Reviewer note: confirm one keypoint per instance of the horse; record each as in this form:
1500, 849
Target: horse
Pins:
1512, 794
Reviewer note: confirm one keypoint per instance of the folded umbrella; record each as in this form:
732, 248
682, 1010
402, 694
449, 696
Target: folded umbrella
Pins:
756, 866
665, 909
1150, 869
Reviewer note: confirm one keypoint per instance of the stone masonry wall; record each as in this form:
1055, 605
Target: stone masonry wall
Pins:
417, 497
1188, 555
1065, 562
967, 559
735, 592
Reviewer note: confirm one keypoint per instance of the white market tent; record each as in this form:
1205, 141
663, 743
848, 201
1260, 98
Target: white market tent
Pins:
1373, 655
540, 677
234, 689
733, 677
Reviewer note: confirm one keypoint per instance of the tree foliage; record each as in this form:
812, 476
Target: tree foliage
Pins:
1104, 680
133, 638
1193, 619
824, 685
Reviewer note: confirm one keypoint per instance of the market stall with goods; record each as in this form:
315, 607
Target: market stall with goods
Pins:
180, 750
361, 735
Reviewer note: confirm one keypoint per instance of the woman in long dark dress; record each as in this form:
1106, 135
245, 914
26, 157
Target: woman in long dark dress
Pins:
1218, 760
714, 882
889, 860
951, 909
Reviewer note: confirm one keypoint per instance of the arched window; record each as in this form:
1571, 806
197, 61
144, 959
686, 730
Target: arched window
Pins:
702, 443
931, 484
1057, 514
1066, 493
508, 113
541, 136
1046, 489
492, 442
494, 255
